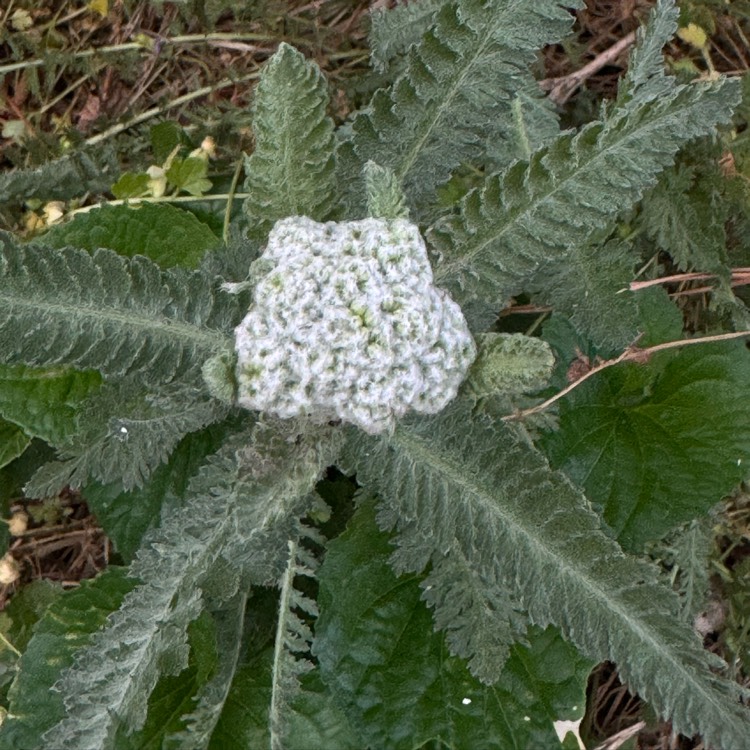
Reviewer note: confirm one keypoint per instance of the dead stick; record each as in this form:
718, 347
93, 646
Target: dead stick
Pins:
631, 354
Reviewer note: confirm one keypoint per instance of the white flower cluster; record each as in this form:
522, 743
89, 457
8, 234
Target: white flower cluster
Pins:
348, 325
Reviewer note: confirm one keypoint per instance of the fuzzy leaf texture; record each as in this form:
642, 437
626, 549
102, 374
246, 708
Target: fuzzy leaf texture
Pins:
393, 673
535, 213
200, 724
291, 657
590, 285
291, 170
454, 100
225, 526
168, 235
394, 30
102, 311
61, 179
126, 516
637, 439
480, 489
645, 78
685, 214
124, 435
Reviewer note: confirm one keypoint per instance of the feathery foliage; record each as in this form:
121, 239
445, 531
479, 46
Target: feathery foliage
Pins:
228, 509
68, 307
456, 93
124, 436
291, 170
473, 616
534, 213
452, 483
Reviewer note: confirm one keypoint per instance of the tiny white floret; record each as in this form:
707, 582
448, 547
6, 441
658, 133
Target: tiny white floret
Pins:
466, 701
346, 323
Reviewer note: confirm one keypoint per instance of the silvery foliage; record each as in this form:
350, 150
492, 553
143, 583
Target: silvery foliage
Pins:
347, 324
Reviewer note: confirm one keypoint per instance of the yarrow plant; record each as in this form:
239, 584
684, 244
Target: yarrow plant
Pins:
349, 505
347, 324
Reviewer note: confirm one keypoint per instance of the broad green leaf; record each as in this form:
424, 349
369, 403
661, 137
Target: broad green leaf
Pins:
17, 621
379, 654
13, 442
315, 721
290, 172
44, 401
65, 628
189, 174
131, 185
166, 234
659, 443
126, 516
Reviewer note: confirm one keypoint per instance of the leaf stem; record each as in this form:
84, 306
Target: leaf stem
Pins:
632, 354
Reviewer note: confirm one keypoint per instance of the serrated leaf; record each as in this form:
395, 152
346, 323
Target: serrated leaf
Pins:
61, 179
640, 441
685, 215
315, 721
126, 516
477, 486
455, 96
168, 235
394, 30
174, 695
63, 630
225, 536
44, 401
591, 286
13, 442
124, 435
290, 172
102, 311
392, 672
535, 213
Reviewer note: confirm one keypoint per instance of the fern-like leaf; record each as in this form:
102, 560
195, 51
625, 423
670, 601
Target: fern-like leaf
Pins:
61, 179
449, 484
124, 435
646, 78
291, 658
291, 171
457, 92
190, 559
533, 213
106, 312
200, 723
394, 30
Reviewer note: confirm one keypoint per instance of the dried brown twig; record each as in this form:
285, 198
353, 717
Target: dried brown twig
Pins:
632, 354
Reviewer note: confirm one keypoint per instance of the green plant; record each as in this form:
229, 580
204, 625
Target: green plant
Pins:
475, 583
